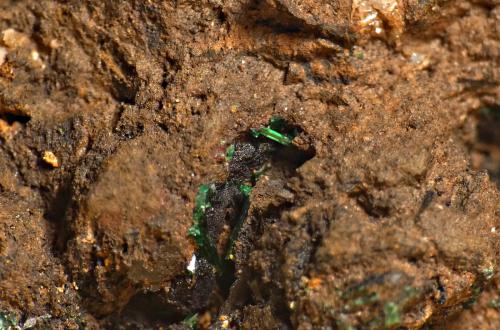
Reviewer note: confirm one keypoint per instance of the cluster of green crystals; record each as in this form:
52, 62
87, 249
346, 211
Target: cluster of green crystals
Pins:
272, 132
202, 204
246, 190
7, 321
205, 246
272, 135
392, 316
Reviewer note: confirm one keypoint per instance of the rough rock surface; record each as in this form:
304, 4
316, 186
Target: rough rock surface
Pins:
390, 221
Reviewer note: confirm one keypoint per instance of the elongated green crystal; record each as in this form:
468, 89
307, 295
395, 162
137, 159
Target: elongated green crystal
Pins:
272, 135
275, 136
272, 131
202, 203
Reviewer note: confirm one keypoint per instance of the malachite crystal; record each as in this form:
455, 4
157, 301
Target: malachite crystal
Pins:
205, 247
203, 198
272, 131
191, 321
246, 190
272, 135
392, 316
7, 321
230, 153
202, 203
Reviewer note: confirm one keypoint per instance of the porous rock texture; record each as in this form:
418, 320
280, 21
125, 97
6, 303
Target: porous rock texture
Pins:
389, 223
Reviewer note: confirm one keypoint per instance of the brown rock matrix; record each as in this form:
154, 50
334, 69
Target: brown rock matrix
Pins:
382, 212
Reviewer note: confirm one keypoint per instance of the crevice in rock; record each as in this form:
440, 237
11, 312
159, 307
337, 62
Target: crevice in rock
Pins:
15, 118
485, 149
217, 282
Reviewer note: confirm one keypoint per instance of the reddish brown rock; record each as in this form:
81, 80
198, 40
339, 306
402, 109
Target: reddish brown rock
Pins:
389, 220
130, 233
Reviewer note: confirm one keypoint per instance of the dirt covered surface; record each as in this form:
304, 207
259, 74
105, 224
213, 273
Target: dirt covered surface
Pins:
378, 208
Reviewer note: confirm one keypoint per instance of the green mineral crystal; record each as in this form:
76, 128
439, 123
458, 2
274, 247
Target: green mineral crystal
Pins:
202, 203
191, 321
7, 321
272, 131
272, 135
246, 189
392, 316
366, 300
230, 152
205, 247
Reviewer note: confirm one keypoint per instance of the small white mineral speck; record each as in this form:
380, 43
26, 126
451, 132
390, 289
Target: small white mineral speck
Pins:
35, 56
192, 264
